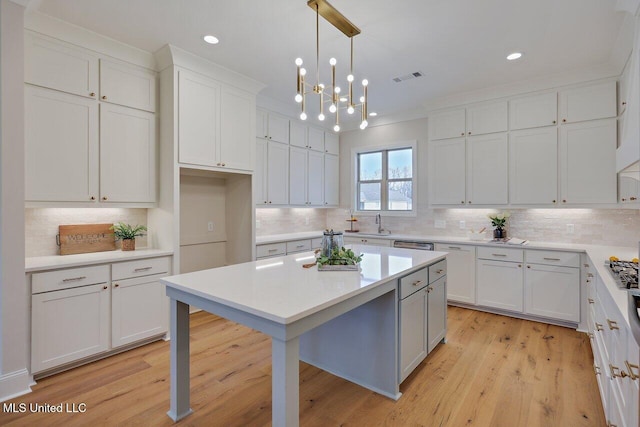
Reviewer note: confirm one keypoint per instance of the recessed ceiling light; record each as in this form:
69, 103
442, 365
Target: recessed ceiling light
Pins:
211, 39
514, 55
373, 114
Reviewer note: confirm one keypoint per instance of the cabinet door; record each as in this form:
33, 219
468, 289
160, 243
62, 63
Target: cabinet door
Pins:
298, 134
61, 146
298, 171
198, 118
553, 292
588, 162
237, 150
278, 128
628, 186
262, 124
533, 111
58, 65
436, 312
69, 325
128, 85
447, 124
533, 166
260, 173
316, 139
588, 103
500, 285
413, 332
488, 117
461, 274
487, 169
315, 178
447, 172
331, 180
278, 173
140, 309
331, 143
629, 150
127, 154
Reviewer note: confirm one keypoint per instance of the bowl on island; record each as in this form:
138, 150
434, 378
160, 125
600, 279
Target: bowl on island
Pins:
476, 236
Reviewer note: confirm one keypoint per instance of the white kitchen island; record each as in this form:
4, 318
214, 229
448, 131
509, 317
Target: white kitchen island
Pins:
343, 322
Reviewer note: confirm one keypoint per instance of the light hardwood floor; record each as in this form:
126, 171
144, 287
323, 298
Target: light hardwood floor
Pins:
493, 371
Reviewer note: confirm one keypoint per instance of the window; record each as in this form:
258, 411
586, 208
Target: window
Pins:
385, 180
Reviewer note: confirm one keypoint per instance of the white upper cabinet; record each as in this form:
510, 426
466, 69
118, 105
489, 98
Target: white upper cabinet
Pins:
61, 146
128, 85
316, 139
488, 117
198, 117
236, 139
298, 171
298, 134
315, 178
588, 162
260, 173
592, 102
447, 172
127, 154
533, 166
331, 180
447, 124
277, 173
272, 126
487, 169
533, 111
331, 143
58, 65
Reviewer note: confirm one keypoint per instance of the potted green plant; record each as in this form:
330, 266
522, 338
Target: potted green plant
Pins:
127, 233
499, 221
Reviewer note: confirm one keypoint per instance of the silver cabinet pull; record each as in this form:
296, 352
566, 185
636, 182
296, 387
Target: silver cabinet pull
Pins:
498, 254
454, 247
137, 270
551, 259
273, 250
299, 246
74, 279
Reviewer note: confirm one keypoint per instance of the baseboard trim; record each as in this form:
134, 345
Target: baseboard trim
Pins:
15, 384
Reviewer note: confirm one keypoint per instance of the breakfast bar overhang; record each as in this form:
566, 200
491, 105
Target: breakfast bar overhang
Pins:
345, 322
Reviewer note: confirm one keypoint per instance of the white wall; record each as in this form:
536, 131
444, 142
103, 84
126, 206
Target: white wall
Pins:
14, 308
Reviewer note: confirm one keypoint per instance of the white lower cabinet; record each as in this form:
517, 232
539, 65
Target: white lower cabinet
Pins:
461, 277
371, 241
500, 283
74, 310
422, 310
552, 291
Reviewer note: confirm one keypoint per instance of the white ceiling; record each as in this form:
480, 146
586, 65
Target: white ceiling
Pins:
459, 45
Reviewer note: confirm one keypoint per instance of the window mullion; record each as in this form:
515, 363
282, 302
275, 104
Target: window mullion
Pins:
384, 186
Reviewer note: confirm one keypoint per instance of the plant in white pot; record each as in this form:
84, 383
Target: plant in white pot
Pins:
127, 233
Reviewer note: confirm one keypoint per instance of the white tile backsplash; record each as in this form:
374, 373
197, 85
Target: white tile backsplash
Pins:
41, 225
289, 220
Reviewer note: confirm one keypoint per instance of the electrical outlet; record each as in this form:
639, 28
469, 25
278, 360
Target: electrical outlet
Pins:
462, 225
257, 223
440, 223
210, 226
306, 220
570, 229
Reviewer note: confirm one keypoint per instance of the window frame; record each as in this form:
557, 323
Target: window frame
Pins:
384, 179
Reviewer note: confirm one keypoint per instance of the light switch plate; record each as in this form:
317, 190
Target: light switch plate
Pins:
463, 225
570, 229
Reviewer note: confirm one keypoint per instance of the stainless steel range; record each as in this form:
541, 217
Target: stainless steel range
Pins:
625, 273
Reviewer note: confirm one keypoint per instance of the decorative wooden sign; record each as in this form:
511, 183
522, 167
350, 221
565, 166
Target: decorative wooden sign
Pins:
80, 239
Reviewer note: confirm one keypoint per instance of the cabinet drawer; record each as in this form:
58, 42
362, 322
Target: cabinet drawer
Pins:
273, 249
298, 246
437, 270
567, 259
69, 278
501, 254
141, 267
413, 282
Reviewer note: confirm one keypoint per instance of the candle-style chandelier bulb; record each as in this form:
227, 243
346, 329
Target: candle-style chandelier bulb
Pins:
303, 116
298, 61
298, 98
321, 117
333, 108
333, 61
336, 128
350, 109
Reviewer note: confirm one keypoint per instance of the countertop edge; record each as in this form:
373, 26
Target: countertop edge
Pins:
53, 262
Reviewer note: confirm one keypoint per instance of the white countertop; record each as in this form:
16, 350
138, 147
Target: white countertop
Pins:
63, 261
281, 290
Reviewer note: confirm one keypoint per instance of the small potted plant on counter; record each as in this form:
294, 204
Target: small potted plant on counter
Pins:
128, 234
499, 221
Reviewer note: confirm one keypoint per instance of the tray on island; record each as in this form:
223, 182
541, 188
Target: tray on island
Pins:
353, 267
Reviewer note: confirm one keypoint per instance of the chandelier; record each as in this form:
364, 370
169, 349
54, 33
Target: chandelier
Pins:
331, 95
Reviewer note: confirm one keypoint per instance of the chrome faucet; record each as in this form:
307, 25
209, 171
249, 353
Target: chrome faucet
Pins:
379, 222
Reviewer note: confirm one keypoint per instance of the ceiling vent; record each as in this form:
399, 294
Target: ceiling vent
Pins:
410, 76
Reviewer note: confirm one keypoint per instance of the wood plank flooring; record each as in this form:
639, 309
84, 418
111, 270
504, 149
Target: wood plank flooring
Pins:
493, 371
